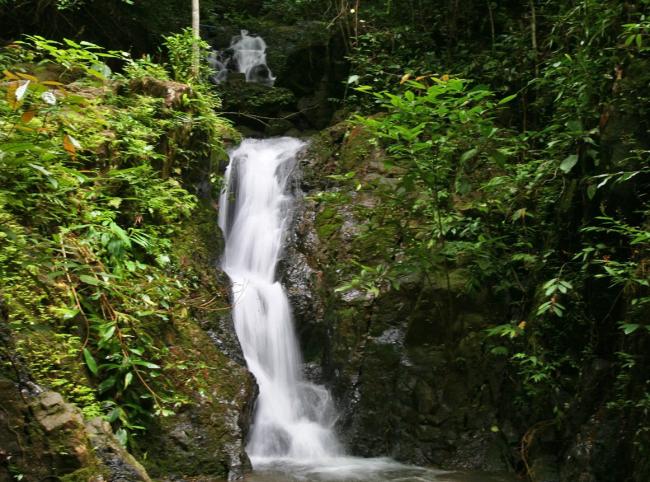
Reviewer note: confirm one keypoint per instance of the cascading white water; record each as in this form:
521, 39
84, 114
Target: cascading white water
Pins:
293, 418
246, 55
250, 57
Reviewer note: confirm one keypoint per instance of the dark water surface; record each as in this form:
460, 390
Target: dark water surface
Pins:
354, 469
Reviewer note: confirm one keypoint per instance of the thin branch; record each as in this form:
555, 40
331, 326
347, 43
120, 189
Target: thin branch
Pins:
74, 294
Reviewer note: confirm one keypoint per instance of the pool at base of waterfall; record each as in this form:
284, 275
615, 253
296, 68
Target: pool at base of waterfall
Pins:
357, 469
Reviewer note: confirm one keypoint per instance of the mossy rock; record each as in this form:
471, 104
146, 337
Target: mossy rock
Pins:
328, 222
87, 474
254, 99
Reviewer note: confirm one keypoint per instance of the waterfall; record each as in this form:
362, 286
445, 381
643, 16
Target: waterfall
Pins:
250, 56
293, 418
246, 55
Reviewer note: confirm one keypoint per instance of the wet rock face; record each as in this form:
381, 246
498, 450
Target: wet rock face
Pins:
43, 436
120, 465
410, 358
205, 439
408, 366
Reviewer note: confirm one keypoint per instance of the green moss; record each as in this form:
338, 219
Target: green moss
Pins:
86, 474
355, 149
54, 361
328, 222
375, 244
247, 97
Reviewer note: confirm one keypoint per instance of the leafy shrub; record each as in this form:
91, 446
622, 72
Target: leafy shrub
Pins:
180, 47
87, 223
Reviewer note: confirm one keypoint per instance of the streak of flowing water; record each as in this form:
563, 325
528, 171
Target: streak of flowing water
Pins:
292, 436
293, 418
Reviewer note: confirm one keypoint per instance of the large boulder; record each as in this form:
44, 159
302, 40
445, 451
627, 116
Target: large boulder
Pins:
42, 436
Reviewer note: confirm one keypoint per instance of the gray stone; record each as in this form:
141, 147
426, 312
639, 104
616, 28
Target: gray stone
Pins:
121, 465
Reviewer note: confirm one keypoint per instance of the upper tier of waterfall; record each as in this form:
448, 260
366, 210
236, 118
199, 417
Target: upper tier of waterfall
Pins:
246, 55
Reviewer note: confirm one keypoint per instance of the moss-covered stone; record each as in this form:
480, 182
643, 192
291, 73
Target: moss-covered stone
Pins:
42, 436
328, 222
254, 99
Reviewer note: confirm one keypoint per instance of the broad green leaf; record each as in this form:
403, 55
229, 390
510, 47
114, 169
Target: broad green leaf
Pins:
107, 384
122, 436
69, 313
90, 361
505, 100
629, 328
89, 280
108, 334
146, 364
353, 79
467, 155
113, 415
41, 169
591, 191
568, 163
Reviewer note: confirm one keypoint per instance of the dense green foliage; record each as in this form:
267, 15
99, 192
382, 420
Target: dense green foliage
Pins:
91, 200
514, 143
539, 193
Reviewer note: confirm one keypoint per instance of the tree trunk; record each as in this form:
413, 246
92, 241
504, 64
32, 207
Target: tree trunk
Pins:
197, 36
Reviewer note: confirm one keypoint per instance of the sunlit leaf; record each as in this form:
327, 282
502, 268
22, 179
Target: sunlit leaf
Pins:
89, 280
467, 155
128, 378
27, 77
122, 436
505, 100
353, 79
48, 97
22, 90
629, 328
70, 144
